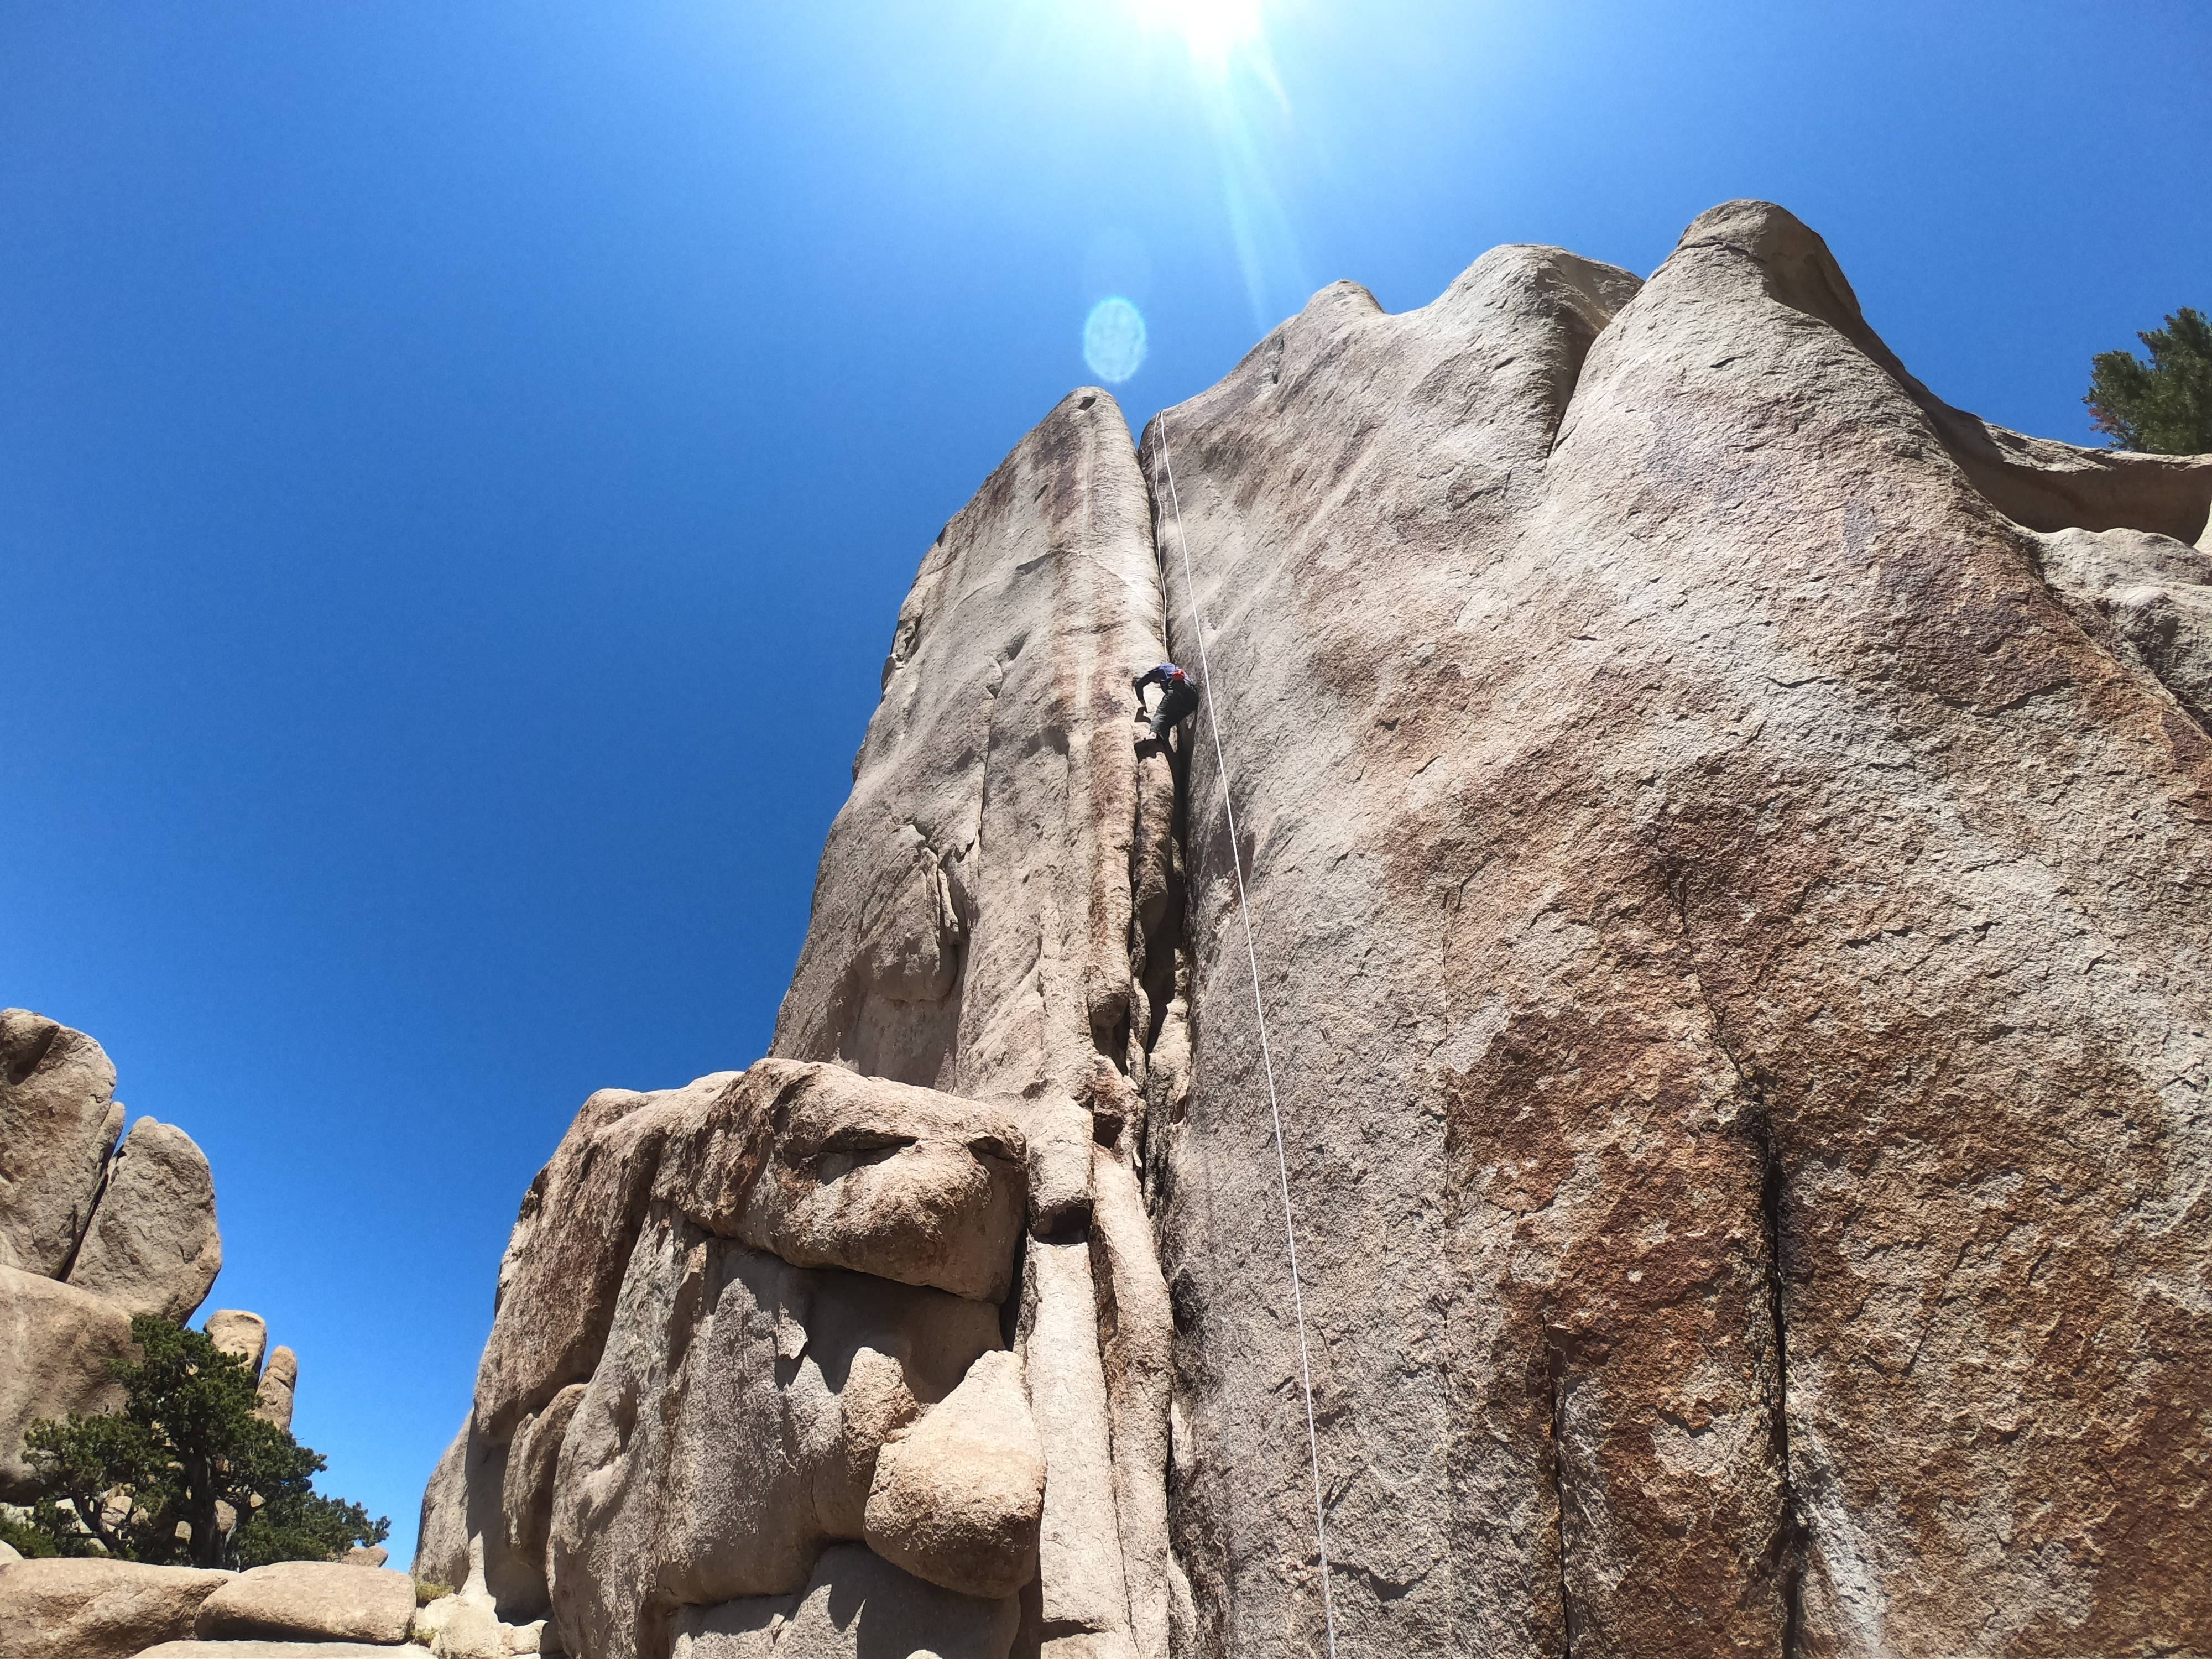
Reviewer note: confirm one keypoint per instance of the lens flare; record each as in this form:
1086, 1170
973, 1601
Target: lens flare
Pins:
1114, 340
1212, 31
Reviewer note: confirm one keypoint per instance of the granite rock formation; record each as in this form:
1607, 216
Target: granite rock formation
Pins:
90, 1608
1718, 840
280, 1381
94, 1232
237, 1332
56, 1341
58, 1121
152, 1247
309, 1602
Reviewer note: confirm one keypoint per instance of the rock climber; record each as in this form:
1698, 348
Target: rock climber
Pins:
1178, 695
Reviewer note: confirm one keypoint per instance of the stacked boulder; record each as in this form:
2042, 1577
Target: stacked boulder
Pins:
865, 1350
95, 1226
759, 1373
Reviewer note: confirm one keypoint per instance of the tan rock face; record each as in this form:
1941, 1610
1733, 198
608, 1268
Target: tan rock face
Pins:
855, 1606
243, 1334
280, 1382
441, 1532
1003, 762
153, 1248
564, 1261
272, 1650
526, 1489
55, 1344
971, 918
309, 1600
58, 1120
957, 1497
1723, 929
95, 1610
1721, 830
734, 1432
904, 1184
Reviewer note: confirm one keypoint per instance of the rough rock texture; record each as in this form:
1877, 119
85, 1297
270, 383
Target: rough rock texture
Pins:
472, 1630
97, 1609
1737, 990
971, 917
732, 1431
564, 1262
995, 916
526, 1490
55, 1344
441, 1533
152, 1247
271, 1651
2146, 597
1723, 833
58, 1120
815, 1263
854, 1606
280, 1381
309, 1600
957, 1497
236, 1332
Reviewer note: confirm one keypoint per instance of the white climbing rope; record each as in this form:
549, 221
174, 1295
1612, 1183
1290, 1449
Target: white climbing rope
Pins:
1267, 1059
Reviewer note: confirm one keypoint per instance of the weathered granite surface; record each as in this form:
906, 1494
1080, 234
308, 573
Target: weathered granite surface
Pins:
1733, 949
1723, 834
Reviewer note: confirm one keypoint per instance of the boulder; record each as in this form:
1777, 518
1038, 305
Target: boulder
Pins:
56, 1341
153, 1248
733, 1428
235, 1332
365, 1555
565, 1259
854, 1604
309, 1600
194, 1650
471, 1631
442, 1534
92, 1608
58, 1120
957, 1497
526, 1492
280, 1381
878, 1177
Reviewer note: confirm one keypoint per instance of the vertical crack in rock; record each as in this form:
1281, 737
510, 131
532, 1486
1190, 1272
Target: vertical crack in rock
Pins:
1789, 1540
1557, 1467
1790, 1532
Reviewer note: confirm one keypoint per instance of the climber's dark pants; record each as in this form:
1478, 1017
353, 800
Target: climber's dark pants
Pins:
1174, 703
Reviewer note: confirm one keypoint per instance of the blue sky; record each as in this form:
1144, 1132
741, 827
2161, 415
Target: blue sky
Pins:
460, 462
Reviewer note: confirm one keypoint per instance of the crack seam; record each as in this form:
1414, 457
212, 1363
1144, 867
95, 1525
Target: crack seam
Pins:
1790, 1538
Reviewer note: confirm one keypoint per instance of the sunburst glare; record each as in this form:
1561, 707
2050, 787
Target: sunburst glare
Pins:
1212, 31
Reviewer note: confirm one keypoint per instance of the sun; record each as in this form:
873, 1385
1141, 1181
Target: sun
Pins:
1212, 31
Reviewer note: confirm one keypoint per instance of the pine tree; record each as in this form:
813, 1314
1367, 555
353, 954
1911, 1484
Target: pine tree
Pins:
2165, 405
144, 1483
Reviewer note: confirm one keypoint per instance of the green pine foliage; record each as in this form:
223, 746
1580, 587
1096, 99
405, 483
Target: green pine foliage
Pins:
143, 1482
2165, 405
